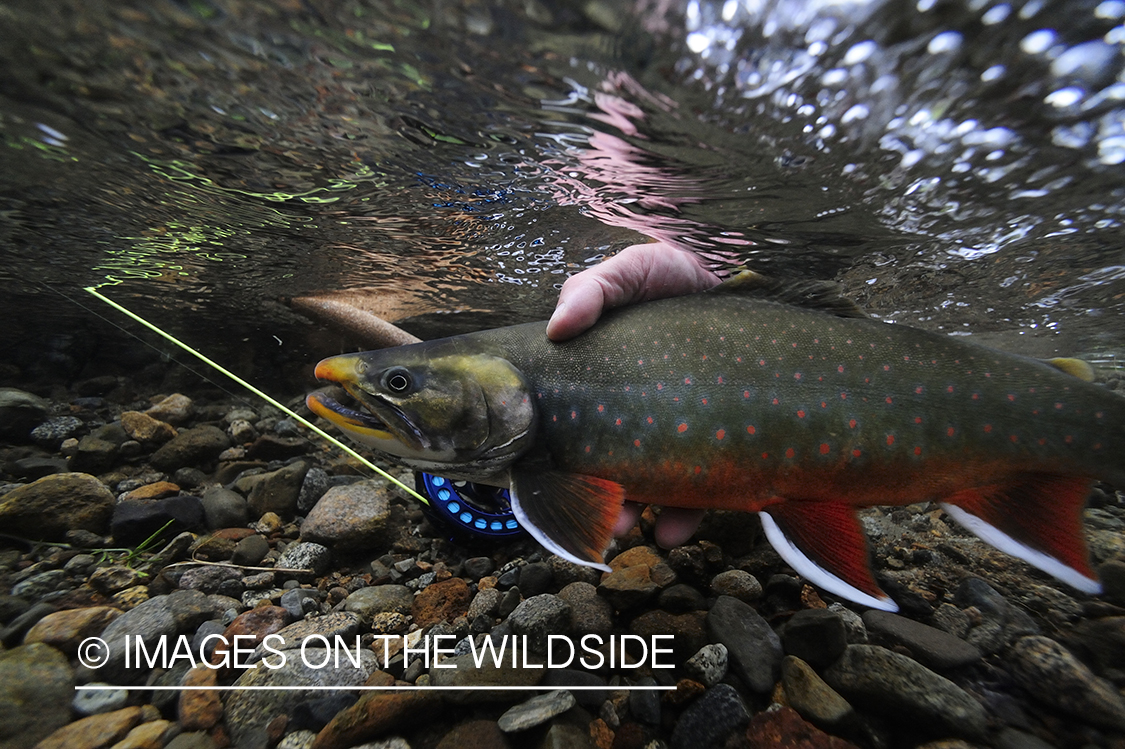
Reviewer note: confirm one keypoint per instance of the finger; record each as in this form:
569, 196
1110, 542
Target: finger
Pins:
676, 525
637, 273
630, 514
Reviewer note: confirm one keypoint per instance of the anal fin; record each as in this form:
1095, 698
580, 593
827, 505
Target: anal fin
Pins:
1037, 518
572, 515
823, 541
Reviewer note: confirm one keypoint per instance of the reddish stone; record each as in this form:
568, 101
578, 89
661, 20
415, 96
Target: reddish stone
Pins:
156, 490
105, 729
686, 692
785, 729
444, 601
234, 534
200, 710
255, 623
601, 734
375, 714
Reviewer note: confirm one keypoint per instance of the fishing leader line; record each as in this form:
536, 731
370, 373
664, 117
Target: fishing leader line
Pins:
256, 391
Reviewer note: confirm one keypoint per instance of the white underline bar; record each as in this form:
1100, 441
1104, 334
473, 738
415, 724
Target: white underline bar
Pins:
279, 688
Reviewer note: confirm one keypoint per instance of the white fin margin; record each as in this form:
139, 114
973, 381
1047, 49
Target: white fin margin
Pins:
816, 574
546, 541
993, 536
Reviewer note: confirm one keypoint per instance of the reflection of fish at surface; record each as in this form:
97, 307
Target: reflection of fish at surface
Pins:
750, 397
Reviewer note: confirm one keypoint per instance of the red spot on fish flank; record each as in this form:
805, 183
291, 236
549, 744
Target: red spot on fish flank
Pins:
889, 400
573, 415
1097, 446
636, 443
840, 369
843, 396
649, 419
554, 418
824, 448
1011, 396
761, 362
1068, 439
886, 367
857, 452
1058, 406
987, 428
681, 428
1014, 438
617, 422
976, 396
1031, 390
918, 390
1042, 440
824, 404
587, 448
776, 401
640, 361
745, 393
720, 379
720, 434
800, 413
906, 358
851, 423
705, 401
751, 429
917, 419
950, 432
660, 386
1099, 415
917, 450
796, 375
949, 389
790, 453
601, 408
765, 456
890, 440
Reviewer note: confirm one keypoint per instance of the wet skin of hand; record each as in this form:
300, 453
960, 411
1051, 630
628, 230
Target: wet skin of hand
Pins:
638, 273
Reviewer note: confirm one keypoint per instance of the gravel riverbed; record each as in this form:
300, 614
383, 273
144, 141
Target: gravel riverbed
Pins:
233, 546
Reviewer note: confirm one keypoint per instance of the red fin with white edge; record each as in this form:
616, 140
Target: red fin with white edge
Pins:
1038, 518
572, 515
824, 543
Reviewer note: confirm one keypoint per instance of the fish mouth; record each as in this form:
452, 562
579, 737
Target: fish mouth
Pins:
325, 403
363, 420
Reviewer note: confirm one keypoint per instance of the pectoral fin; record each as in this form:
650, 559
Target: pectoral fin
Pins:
572, 515
823, 542
1038, 519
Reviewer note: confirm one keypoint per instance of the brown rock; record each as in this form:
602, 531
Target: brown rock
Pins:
213, 548
146, 736
785, 729
200, 710
628, 587
444, 601
234, 534
156, 490
46, 509
601, 734
251, 627
689, 632
95, 731
65, 630
474, 734
145, 429
375, 714
638, 556
686, 692
130, 598
176, 409
110, 580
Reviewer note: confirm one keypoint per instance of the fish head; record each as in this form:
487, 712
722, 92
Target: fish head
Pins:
436, 408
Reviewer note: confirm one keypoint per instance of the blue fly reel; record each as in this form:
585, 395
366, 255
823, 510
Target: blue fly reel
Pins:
470, 510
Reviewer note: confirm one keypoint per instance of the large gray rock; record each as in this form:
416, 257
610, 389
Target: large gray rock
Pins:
355, 517
159, 618
49, 507
246, 713
278, 491
190, 448
753, 648
905, 692
36, 689
20, 412
1056, 678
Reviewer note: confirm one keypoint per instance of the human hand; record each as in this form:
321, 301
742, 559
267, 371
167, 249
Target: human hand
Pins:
638, 273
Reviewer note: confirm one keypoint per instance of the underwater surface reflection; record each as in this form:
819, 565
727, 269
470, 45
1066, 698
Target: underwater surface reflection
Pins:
957, 167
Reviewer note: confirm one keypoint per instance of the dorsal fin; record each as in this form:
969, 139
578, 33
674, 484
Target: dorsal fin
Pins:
1075, 367
820, 295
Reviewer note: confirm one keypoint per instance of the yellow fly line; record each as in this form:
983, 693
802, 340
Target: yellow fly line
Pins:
275, 403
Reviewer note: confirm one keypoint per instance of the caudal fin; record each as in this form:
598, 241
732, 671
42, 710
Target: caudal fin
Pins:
1037, 518
823, 541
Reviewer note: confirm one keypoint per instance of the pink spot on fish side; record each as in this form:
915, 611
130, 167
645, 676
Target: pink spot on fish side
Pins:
751, 429
857, 452
797, 376
636, 443
824, 448
800, 413
720, 434
890, 440
790, 453
617, 422
987, 428
917, 450
601, 408
681, 428
851, 423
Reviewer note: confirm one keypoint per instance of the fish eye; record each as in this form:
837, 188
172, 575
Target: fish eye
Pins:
397, 380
